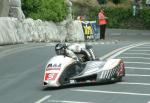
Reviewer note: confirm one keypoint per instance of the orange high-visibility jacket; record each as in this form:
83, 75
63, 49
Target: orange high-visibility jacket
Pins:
102, 20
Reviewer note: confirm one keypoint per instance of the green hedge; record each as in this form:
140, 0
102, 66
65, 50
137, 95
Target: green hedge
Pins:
116, 1
101, 1
119, 17
45, 9
145, 16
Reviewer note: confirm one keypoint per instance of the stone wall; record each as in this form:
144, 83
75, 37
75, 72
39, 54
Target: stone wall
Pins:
4, 8
14, 28
14, 31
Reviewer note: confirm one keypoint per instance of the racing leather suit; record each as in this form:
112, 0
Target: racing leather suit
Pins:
71, 54
88, 52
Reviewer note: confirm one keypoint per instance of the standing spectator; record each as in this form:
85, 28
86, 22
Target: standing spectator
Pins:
102, 23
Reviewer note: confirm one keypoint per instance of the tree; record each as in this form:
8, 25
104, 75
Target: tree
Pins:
45, 9
101, 1
116, 1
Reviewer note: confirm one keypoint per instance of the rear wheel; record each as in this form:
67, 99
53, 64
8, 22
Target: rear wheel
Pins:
118, 79
113, 80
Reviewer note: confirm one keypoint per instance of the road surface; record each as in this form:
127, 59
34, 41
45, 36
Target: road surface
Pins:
22, 68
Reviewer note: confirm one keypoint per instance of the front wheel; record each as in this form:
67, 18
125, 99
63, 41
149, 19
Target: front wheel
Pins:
69, 72
64, 79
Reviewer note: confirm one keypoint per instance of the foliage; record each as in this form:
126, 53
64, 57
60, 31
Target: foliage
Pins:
101, 1
116, 1
145, 16
45, 9
119, 17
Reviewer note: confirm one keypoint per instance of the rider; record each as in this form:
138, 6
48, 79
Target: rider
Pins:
72, 50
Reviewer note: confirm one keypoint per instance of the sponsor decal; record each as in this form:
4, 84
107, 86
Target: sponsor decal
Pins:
89, 29
53, 67
50, 76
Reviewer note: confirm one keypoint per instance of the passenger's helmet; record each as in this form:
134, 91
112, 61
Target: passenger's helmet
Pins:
60, 49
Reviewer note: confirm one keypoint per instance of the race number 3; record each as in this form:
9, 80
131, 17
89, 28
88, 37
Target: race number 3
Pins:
50, 76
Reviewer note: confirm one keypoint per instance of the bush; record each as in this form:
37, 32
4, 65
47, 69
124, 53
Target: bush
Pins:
49, 10
101, 1
119, 17
116, 1
145, 17
115, 15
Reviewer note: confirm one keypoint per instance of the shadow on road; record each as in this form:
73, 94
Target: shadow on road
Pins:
76, 86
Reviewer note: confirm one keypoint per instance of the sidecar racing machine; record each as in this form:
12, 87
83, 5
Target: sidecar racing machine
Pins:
63, 70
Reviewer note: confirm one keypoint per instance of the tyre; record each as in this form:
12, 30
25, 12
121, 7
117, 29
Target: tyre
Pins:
64, 79
69, 72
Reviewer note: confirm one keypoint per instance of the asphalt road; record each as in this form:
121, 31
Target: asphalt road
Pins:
22, 68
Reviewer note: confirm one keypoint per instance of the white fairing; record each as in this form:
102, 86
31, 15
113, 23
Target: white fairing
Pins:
97, 66
76, 47
111, 63
54, 69
110, 68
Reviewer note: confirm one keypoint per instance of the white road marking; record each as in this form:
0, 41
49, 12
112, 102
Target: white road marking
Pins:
23, 48
139, 50
64, 101
131, 83
110, 53
137, 75
146, 45
43, 99
119, 51
18, 49
140, 68
143, 47
110, 92
125, 49
137, 63
137, 54
134, 57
